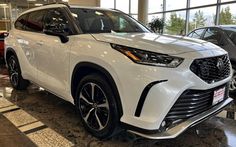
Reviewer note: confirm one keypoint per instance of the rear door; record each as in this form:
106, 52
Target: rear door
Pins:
28, 29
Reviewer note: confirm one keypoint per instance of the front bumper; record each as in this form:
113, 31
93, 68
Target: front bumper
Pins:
180, 128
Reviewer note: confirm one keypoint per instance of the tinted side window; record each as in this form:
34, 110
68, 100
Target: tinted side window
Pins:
197, 34
35, 21
213, 35
56, 21
20, 22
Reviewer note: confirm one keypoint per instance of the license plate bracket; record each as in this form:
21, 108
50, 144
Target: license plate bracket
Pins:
218, 96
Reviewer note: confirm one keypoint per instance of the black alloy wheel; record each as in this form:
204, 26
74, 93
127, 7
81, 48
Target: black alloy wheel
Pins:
15, 74
96, 106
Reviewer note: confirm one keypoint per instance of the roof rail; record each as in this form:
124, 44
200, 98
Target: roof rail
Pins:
57, 3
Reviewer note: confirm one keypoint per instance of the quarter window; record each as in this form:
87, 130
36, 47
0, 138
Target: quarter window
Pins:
21, 21
35, 21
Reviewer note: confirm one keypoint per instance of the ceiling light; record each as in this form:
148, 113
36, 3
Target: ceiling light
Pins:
31, 0
65, 0
38, 4
3, 4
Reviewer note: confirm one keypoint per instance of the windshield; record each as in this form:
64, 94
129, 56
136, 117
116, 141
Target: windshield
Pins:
102, 21
231, 32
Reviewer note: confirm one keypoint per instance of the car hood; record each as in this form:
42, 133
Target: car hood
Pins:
166, 44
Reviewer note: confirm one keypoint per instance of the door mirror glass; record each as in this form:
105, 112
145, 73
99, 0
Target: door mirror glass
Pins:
56, 24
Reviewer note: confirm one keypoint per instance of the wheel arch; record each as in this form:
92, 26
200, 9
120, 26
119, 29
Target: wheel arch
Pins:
84, 68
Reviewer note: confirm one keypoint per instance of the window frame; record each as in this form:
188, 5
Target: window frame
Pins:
71, 22
223, 41
28, 14
202, 34
23, 27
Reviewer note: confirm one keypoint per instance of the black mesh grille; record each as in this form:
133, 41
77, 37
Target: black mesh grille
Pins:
192, 102
211, 69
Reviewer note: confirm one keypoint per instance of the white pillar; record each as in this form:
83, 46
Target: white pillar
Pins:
143, 11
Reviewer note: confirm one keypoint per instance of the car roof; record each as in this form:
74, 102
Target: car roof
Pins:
48, 6
217, 26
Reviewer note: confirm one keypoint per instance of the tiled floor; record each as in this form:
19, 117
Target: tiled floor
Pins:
46, 120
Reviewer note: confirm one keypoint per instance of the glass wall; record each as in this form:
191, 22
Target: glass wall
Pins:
175, 4
227, 14
202, 17
107, 3
178, 13
155, 6
134, 7
122, 5
195, 3
175, 23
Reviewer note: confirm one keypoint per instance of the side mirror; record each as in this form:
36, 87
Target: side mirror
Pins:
63, 37
56, 30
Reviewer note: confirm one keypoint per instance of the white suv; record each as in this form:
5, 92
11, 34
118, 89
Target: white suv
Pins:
116, 72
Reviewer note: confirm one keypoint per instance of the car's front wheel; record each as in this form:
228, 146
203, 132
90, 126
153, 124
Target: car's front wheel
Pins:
97, 107
15, 76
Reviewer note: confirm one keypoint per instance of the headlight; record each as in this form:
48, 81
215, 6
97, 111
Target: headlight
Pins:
149, 58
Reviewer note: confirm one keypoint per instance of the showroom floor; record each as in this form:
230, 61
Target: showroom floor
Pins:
36, 117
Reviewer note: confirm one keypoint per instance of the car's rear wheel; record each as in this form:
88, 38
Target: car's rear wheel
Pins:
15, 76
97, 107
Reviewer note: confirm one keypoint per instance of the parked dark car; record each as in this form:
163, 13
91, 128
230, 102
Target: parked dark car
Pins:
223, 36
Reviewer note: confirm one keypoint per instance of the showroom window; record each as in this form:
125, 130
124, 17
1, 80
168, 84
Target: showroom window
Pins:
227, 14
174, 4
134, 7
202, 17
154, 16
135, 16
175, 23
107, 3
195, 3
123, 5
226, 0
155, 6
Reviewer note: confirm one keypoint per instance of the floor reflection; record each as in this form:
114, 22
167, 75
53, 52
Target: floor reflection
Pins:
59, 116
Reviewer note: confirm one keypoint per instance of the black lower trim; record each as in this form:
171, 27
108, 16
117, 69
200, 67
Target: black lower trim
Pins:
144, 95
137, 129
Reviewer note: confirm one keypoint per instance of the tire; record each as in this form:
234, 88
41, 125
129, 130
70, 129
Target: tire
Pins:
98, 111
232, 85
15, 76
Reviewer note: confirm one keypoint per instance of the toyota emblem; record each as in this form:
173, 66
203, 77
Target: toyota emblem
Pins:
220, 64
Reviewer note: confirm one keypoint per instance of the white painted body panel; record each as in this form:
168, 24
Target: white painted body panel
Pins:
51, 65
